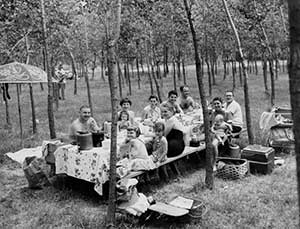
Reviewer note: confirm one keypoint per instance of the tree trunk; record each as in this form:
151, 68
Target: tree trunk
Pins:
128, 77
178, 65
256, 68
233, 75
208, 77
166, 56
242, 60
8, 122
137, 66
265, 74
209, 178
183, 71
240, 74
87, 81
276, 68
102, 65
294, 76
112, 76
120, 79
174, 75
149, 76
94, 66
48, 70
225, 70
212, 68
156, 83
271, 69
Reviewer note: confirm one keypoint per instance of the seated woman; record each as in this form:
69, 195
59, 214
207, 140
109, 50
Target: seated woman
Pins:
217, 103
172, 101
174, 131
134, 150
125, 106
151, 113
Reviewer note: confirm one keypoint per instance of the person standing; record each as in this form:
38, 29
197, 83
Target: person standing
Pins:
61, 76
234, 111
85, 123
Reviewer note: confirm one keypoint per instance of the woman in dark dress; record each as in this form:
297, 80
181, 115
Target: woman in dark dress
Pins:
174, 131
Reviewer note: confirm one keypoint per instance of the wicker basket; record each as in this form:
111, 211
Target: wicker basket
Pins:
233, 168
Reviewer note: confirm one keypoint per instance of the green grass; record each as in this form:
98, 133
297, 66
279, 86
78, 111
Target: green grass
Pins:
255, 202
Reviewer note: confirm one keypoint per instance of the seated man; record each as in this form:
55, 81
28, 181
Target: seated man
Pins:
172, 101
185, 100
234, 111
85, 123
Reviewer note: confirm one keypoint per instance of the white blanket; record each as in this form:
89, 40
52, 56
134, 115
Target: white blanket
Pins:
20, 155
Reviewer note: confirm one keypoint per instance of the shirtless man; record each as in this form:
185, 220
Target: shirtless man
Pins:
185, 100
85, 123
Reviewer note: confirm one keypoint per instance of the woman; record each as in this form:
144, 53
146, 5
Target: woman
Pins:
174, 131
217, 105
151, 113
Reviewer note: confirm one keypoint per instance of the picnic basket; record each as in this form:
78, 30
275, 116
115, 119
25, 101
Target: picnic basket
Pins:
231, 168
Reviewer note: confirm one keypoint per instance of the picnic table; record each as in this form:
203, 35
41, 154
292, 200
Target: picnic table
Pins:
93, 165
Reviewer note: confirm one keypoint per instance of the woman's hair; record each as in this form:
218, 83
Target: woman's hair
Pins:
125, 100
172, 92
159, 126
217, 99
121, 113
134, 128
153, 97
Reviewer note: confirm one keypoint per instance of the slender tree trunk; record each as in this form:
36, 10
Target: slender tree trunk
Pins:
128, 77
156, 83
94, 66
294, 76
212, 68
7, 115
178, 65
174, 76
166, 57
112, 76
233, 76
209, 178
87, 81
271, 69
183, 71
102, 65
265, 73
225, 70
240, 74
120, 79
256, 68
276, 68
137, 65
149, 76
246, 93
50, 98
208, 77
34, 128
20, 113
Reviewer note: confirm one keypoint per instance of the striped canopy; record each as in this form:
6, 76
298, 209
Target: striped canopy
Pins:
22, 73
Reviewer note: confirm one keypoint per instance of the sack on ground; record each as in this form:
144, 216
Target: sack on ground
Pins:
36, 172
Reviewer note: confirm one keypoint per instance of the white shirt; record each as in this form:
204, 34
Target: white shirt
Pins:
235, 110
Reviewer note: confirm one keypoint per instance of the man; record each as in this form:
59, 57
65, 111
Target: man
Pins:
235, 116
172, 101
84, 123
61, 76
185, 100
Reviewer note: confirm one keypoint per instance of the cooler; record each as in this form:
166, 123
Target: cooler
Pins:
261, 158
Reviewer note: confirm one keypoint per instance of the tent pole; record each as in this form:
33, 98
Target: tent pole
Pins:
20, 116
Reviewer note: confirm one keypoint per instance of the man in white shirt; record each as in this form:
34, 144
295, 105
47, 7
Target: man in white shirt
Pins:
235, 116
85, 123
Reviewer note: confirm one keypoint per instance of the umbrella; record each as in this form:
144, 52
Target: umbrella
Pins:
18, 73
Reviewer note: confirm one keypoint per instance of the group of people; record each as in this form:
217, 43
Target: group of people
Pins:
170, 136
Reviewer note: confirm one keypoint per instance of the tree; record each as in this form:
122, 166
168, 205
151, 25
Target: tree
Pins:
209, 179
112, 36
294, 76
245, 74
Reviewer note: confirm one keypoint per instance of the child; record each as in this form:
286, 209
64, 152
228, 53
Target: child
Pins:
135, 150
123, 122
160, 144
125, 106
220, 129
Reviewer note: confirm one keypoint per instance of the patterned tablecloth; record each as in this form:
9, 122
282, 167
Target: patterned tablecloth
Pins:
90, 165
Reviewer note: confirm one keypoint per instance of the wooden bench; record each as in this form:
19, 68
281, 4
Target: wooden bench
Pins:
187, 151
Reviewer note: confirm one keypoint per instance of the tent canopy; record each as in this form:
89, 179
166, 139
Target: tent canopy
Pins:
22, 73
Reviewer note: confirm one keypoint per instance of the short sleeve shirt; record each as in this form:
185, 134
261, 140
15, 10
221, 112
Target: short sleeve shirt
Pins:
235, 110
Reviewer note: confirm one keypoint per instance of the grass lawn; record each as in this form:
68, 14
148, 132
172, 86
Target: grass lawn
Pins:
255, 202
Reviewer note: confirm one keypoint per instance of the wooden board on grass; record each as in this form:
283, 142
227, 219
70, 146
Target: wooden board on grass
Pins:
168, 209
